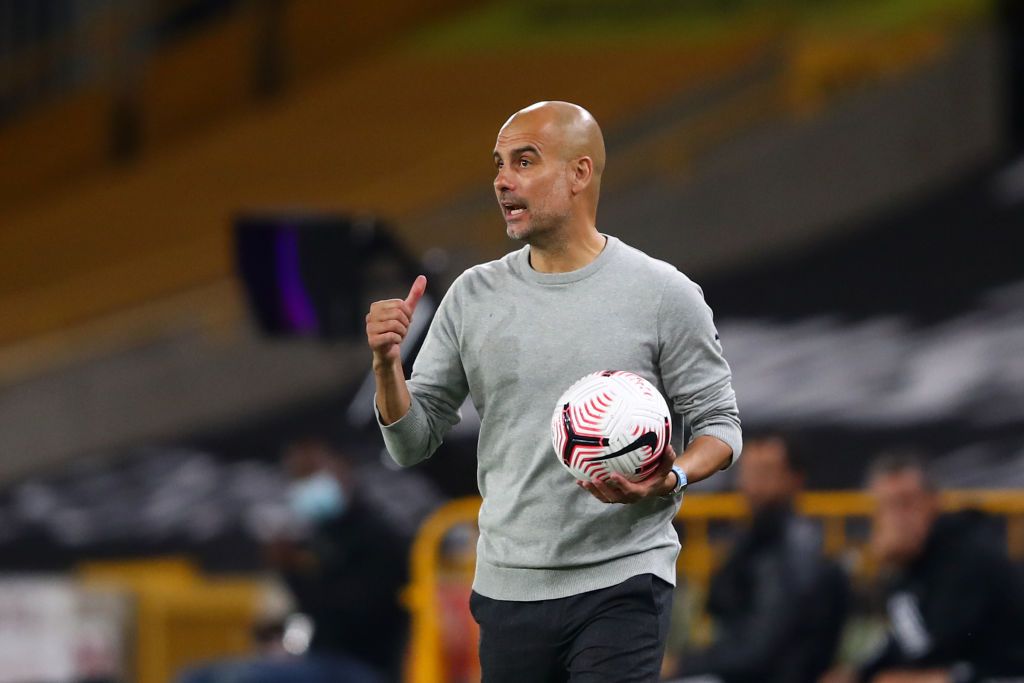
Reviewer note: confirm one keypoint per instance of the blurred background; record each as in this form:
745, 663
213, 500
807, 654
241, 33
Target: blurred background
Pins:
199, 199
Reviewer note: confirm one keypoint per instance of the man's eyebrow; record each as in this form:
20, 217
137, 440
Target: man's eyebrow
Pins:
519, 150
527, 148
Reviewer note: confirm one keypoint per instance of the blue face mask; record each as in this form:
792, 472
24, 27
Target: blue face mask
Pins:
317, 498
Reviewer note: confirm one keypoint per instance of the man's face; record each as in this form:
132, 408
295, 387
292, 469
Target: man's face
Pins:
316, 492
532, 181
904, 511
765, 478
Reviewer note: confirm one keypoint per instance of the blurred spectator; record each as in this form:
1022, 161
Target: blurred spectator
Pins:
777, 604
345, 568
955, 603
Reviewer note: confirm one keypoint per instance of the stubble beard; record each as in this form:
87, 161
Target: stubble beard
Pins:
517, 233
521, 233
540, 230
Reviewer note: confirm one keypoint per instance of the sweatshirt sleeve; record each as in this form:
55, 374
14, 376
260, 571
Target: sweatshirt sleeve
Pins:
437, 389
695, 374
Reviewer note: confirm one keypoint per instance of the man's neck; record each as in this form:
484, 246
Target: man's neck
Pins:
563, 256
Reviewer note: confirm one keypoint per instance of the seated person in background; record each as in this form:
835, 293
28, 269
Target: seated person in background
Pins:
778, 606
347, 572
954, 602
345, 569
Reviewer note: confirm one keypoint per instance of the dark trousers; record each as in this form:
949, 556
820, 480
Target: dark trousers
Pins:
612, 635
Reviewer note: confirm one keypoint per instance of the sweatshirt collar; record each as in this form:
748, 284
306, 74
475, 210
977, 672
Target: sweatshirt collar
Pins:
573, 275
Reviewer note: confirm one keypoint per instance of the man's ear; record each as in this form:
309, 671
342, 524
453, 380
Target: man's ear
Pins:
582, 174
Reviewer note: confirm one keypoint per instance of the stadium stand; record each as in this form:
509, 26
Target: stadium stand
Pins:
777, 158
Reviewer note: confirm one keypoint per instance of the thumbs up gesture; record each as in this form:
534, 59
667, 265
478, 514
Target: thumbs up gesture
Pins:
388, 322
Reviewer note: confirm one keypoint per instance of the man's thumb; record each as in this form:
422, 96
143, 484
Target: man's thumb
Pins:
416, 292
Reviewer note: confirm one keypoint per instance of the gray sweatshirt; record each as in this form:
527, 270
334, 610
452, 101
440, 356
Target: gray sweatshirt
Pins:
514, 339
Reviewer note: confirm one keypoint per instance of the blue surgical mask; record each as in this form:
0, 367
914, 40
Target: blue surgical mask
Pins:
317, 498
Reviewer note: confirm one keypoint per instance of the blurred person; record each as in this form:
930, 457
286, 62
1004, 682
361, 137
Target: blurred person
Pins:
777, 604
571, 582
348, 570
344, 567
954, 601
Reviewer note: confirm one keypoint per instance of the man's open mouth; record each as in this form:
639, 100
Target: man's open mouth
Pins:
512, 209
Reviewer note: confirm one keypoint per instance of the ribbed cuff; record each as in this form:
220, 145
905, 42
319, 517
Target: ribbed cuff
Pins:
405, 437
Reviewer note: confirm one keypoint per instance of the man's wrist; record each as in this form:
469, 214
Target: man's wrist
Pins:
668, 483
385, 366
675, 481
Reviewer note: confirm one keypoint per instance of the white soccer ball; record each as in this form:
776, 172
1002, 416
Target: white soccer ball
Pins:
610, 421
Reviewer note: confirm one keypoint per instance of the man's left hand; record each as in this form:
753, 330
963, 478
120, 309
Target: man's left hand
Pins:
617, 489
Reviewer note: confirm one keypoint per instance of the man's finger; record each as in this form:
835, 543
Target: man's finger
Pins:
625, 485
396, 326
665, 463
384, 339
607, 491
416, 292
390, 309
629, 491
395, 309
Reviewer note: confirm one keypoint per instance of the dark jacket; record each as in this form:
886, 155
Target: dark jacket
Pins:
959, 606
778, 606
352, 595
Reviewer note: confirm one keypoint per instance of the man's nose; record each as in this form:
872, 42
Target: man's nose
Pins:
502, 182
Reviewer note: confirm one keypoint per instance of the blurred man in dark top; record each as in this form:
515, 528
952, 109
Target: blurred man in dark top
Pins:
954, 601
347, 572
777, 605
345, 567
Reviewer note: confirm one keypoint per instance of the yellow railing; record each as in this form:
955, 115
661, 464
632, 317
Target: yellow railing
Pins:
426, 665
696, 562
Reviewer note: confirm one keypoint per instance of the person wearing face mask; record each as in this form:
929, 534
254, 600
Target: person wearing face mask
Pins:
344, 566
778, 606
347, 565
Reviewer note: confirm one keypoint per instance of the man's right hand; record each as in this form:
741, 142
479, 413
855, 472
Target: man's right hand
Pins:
388, 322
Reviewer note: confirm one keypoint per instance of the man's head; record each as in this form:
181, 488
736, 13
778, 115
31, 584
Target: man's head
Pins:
906, 505
320, 480
549, 159
771, 471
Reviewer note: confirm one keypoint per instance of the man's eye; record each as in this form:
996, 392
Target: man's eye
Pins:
523, 163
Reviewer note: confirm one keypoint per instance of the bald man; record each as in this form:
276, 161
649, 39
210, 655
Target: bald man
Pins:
573, 579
